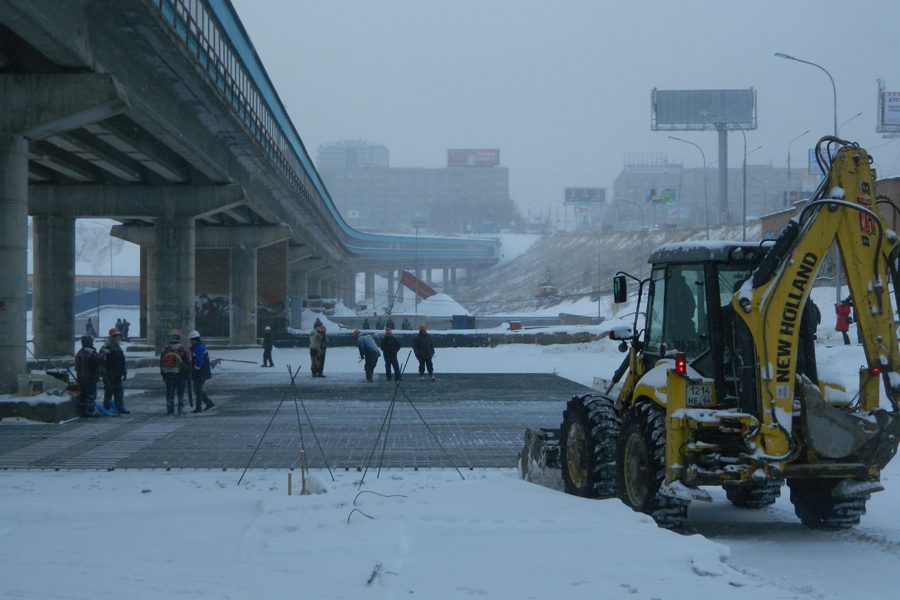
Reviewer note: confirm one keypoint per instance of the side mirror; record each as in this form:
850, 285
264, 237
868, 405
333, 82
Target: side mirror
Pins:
620, 334
620, 289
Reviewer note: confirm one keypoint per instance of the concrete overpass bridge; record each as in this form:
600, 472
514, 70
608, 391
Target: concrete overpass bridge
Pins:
160, 115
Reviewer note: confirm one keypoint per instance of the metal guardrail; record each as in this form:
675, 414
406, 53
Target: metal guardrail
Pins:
211, 32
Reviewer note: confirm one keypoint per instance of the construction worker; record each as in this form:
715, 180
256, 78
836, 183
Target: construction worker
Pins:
423, 348
114, 372
200, 371
317, 347
267, 347
87, 371
390, 346
368, 351
174, 366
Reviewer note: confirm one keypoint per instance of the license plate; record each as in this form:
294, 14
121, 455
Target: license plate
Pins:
699, 395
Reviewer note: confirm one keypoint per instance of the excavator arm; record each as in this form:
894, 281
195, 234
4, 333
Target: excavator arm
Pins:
771, 303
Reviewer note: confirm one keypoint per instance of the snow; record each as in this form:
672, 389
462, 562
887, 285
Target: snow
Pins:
160, 534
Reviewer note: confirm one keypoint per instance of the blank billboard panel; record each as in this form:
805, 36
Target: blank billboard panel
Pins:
698, 110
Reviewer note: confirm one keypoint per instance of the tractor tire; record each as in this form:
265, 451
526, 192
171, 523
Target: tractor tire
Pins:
818, 509
754, 495
642, 466
587, 447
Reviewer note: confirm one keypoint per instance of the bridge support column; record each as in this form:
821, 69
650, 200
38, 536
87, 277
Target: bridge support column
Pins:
348, 289
53, 318
453, 276
171, 279
390, 288
401, 289
445, 278
242, 325
297, 291
369, 287
13, 258
428, 276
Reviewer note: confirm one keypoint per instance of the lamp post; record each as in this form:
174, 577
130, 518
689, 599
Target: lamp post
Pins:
789, 159
830, 78
837, 251
705, 197
859, 114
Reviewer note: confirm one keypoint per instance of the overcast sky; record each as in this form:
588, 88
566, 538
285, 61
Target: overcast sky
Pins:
563, 88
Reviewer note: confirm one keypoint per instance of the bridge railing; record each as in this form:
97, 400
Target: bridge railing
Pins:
211, 33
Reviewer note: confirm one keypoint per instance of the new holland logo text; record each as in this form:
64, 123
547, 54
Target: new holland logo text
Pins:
791, 315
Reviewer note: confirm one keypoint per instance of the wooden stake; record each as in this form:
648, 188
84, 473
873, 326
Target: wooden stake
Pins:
289, 483
303, 490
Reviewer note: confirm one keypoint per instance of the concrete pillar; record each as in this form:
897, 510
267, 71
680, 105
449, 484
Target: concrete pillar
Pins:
53, 318
390, 287
428, 276
453, 276
13, 258
348, 289
243, 296
369, 286
445, 277
297, 286
401, 289
172, 276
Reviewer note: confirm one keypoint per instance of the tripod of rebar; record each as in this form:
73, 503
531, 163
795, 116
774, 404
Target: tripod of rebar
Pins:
388, 417
293, 375
298, 399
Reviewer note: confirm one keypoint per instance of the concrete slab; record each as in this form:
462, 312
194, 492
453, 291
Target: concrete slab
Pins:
479, 420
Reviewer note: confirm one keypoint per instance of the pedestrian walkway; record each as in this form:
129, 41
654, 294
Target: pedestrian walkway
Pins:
479, 419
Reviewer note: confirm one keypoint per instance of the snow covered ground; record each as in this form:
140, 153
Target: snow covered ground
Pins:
429, 534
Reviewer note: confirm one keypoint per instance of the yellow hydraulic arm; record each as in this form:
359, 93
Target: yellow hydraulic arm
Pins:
771, 302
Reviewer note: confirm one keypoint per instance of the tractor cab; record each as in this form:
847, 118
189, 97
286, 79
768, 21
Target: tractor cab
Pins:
689, 309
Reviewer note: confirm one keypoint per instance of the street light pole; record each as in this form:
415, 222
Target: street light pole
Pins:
789, 159
416, 268
837, 251
830, 78
859, 114
705, 197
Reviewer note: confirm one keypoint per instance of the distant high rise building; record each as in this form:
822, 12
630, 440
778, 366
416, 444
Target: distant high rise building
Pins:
470, 198
351, 154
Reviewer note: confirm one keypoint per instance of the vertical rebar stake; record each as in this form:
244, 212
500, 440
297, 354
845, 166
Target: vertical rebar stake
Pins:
303, 490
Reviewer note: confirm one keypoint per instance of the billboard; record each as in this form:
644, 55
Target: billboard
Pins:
889, 115
656, 195
473, 158
585, 195
701, 110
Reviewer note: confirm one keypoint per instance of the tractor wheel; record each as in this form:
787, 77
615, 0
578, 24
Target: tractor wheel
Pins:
642, 466
818, 509
757, 494
587, 447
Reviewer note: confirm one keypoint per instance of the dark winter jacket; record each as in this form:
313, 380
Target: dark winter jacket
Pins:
112, 362
267, 340
201, 369
390, 345
423, 345
87, 365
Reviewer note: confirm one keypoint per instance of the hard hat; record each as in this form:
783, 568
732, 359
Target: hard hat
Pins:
175, 335
194, 335
268, 328
114, 331
87, 341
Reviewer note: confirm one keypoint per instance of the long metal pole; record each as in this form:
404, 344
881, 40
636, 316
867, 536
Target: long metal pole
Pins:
705, 196
744, 191
789, 160
837, 251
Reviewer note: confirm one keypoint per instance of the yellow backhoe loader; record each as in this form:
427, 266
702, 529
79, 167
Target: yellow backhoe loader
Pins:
720, 385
